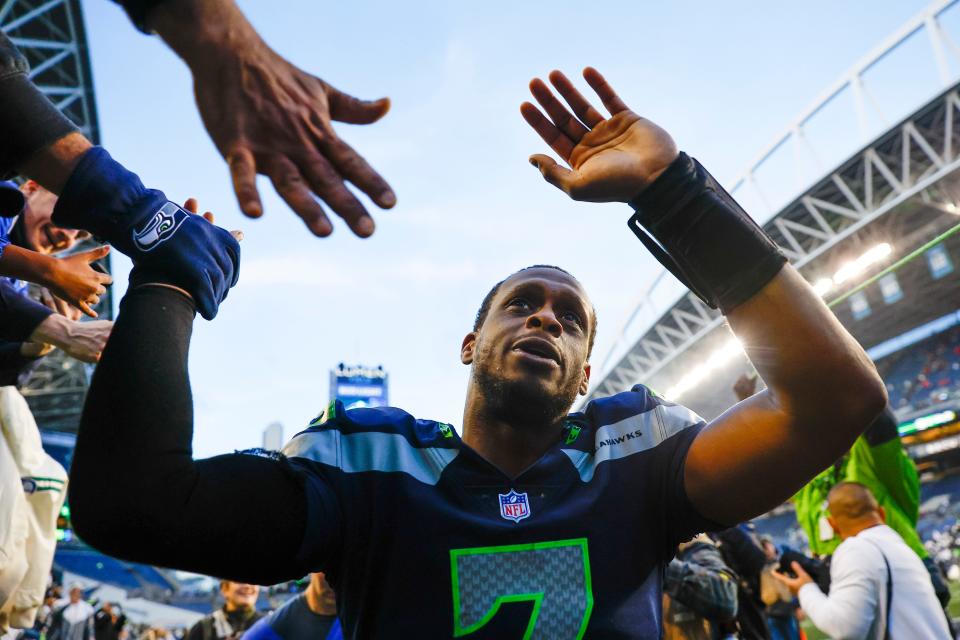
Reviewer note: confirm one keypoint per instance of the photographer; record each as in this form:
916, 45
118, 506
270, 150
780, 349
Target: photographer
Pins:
879, 588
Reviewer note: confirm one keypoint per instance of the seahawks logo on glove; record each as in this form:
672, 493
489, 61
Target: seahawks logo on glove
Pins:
160, 227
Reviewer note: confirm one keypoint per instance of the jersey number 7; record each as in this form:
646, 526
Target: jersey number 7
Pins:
555, 576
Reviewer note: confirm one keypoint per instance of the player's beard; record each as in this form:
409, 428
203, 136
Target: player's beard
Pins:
524, 401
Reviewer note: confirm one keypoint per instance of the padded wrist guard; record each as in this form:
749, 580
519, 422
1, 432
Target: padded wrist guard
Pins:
700, 233
166, 243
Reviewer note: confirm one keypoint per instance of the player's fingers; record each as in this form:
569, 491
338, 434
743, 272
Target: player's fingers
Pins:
352, 166
562, 118
346, 108
290, 185
329, 186
580, 105
560, 177
607, 95
550, 134
191, 205
243, 172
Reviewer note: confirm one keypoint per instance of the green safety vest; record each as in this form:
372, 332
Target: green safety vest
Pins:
889, 474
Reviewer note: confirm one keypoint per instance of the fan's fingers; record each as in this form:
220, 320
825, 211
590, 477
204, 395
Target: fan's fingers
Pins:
86, 309
243, 172
562, 119
580, 105
550, 134
352, 166
290, 185
329, 186
607, 95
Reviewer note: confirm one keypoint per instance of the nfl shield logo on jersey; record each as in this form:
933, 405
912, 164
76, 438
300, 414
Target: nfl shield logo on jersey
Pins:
514, 506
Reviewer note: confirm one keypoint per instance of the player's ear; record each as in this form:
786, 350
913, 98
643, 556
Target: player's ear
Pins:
585, 380
467, 347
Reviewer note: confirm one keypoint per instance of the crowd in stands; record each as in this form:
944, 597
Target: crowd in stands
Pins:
925, 374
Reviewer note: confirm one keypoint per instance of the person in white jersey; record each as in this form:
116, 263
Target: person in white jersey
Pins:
879, 588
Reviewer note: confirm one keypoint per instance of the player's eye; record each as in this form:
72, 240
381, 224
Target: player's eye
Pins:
519, 303
575, 318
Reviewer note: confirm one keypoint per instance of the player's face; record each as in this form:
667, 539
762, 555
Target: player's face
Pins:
535, 339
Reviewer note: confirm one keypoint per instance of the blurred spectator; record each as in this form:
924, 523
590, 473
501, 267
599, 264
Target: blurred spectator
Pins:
700, 594
879, 587
238, 613
742, 552
310, 616
877, 460
781, 604
73, 620
32, 491
108, 622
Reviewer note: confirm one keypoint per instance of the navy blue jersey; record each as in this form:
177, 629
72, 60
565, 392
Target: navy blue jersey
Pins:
421, 537
295, 621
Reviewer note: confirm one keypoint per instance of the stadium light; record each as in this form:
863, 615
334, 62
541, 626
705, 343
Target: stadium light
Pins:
717, 359
853, 268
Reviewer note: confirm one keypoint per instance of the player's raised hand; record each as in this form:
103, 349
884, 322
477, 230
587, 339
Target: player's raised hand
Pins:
608, 159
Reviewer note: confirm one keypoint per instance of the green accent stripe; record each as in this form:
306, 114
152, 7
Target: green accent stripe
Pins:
896, 265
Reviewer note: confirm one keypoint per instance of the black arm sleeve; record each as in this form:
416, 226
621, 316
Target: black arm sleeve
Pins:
135, 490
28, 120
882, 429
19, 315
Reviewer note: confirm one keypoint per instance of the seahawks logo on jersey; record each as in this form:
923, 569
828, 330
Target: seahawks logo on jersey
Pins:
160, 227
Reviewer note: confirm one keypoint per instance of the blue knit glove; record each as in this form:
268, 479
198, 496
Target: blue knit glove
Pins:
166, 243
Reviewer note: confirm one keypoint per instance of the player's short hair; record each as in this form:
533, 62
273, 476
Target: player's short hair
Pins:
488, 300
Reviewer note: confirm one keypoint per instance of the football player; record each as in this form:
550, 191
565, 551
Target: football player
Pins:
534, 523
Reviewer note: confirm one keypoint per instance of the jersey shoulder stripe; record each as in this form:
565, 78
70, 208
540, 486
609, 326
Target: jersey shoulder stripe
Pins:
624, 424
382, 439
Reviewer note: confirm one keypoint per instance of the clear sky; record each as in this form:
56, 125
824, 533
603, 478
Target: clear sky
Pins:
723, 78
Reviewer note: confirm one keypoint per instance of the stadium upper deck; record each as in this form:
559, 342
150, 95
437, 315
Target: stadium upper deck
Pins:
898, 191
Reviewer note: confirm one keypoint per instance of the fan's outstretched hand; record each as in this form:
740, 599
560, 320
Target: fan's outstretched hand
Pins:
608, 159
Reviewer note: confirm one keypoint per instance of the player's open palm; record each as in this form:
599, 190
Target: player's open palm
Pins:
609, 159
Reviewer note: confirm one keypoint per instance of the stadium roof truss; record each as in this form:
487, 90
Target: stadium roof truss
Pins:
905, 162
50, 33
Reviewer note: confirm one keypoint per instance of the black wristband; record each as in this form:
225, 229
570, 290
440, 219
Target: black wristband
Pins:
700, 233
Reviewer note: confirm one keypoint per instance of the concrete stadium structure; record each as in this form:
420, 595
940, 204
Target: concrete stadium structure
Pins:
860, 179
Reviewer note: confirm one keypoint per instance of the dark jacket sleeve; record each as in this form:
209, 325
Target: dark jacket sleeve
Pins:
19, 315
13, 365
28, 120
701, 581
138, 10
